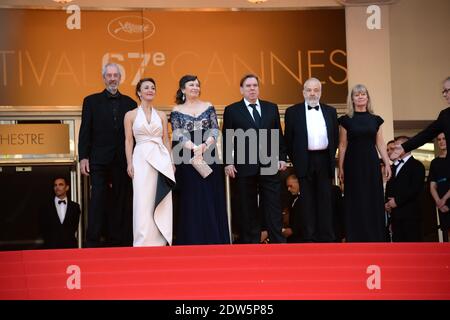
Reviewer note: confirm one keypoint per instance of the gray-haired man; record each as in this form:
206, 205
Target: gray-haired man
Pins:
101, 149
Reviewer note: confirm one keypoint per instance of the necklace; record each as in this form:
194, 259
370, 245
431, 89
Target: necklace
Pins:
147, 113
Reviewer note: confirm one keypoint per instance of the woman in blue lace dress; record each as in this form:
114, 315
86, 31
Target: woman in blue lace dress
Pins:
201, 216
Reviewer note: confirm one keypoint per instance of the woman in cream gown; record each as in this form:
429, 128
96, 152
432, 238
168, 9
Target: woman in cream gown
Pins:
150, 167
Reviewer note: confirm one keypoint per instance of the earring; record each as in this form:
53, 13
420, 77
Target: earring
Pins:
183, 97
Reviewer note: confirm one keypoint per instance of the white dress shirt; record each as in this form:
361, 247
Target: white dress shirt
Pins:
250, 109
61, 208
399, 166
295, 200
317, 129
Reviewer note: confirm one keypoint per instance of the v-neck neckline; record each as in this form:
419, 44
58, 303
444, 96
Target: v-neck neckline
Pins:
145, 116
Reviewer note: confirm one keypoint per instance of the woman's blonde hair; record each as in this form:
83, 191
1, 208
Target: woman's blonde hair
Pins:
350, 106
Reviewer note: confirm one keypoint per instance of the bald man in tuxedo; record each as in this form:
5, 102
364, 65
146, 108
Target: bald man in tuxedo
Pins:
312, 135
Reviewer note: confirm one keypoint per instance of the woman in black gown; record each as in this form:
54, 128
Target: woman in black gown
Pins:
201, 216
360, 137
440, 186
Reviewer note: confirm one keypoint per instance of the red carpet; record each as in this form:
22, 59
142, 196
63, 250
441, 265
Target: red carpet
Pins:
300, 271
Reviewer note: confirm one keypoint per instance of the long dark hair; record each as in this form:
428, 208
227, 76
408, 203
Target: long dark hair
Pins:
179, 97
139, 84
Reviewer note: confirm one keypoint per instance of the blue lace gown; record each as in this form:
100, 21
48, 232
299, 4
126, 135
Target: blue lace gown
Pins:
201, 216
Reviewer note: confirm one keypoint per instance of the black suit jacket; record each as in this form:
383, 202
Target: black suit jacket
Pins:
442, 124
98, 140
236, 116
294, 219
296, 135
56, 234
406, 189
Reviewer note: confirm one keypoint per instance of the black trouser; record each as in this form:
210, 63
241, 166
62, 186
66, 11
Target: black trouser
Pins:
249, 219
406, 230
316, 218
111, 204
444, 221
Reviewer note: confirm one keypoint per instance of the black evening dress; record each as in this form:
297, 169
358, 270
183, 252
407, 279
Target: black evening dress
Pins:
363, 185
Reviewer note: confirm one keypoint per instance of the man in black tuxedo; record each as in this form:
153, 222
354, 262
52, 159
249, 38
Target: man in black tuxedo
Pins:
293, 187
402, 197
441, 124
101, 150
338, 212
390, 148
311, 133
59, 218
254, 152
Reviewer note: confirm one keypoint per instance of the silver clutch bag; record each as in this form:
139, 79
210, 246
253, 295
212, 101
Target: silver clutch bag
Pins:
201, 166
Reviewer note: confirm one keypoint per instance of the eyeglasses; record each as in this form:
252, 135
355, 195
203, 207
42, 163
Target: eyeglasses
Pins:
445, 91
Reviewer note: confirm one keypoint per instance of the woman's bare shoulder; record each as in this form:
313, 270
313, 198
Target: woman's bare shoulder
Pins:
131, 114
162, 114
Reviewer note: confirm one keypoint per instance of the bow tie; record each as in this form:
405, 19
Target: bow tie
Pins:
316, 107
62, 201
400, 161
